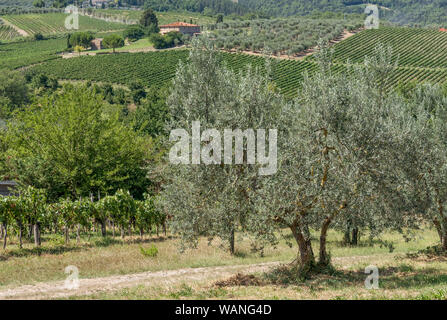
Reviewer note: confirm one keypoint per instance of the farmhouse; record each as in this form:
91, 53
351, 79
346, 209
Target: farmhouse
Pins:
182, 27
7, 187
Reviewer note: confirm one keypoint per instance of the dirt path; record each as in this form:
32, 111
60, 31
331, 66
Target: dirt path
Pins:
20, 31
56, 289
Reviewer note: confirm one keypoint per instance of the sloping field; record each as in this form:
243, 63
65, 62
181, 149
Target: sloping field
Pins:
7, 32
52, 23
21, 54
156, 68
412, 47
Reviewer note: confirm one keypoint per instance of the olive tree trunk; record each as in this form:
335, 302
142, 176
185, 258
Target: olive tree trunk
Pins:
232, 241
324, 257
306, 256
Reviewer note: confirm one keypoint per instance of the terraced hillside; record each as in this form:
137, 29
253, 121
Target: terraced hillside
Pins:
412, 47
158, 67
7, 32
421, 53
52, 23
21, 54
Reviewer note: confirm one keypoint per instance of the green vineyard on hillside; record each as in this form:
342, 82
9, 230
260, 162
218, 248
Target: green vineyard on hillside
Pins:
8, 33
412, 47
21, 54
156, 68
52, 23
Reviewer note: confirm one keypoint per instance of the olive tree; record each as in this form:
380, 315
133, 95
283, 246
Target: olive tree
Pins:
422, 160
333, 148
332, 157
214, 199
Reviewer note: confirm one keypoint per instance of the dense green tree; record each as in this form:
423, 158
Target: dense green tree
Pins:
14, 92
209, 7
152, 113
168, 40
134, 32
71, 144
149, 18
113, 41
81, 39
137, 91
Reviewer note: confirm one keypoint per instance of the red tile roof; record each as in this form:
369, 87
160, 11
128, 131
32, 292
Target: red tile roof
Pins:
179, 24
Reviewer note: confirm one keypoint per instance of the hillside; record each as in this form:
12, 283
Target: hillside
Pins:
412, 47
156, 68
21, 54
52, 23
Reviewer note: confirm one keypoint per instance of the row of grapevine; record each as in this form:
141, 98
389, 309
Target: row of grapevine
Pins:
157, 68
30, 212
412, 47
52, 23
8, 33
25, 53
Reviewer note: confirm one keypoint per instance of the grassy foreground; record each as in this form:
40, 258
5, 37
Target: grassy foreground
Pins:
403, 275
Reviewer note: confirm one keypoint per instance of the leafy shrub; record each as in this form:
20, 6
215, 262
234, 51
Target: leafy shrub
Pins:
80, 39
38, 36
134, 33
168, 40
151, 252
113, 41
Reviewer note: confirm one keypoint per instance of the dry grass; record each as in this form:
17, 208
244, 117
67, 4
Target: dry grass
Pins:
402, 276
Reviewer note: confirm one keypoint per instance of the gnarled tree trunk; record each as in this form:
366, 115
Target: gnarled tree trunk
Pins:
324, 257
305, 252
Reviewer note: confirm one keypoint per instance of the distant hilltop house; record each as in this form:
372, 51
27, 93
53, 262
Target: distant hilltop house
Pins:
7, 187
96, 44
443, 29
182, 27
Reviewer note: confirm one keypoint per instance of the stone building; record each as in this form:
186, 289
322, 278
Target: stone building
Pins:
182, 27
96, 44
